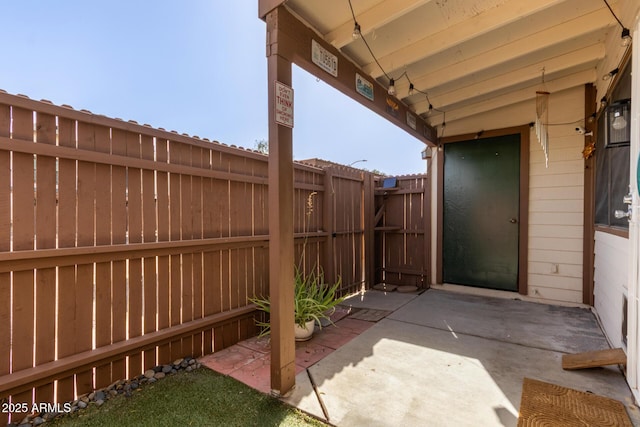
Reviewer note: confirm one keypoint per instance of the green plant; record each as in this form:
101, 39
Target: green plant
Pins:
313, 299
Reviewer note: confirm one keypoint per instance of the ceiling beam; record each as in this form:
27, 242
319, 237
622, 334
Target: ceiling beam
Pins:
372, 19
582, 58
266, 6
584, 26
558, 85
489, 20
295, 42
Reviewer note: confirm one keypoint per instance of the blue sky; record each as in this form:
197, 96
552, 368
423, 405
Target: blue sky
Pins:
194, 66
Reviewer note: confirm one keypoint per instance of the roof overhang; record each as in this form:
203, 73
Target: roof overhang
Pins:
295, 42
466, 58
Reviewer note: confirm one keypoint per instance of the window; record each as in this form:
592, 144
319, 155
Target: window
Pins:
612, 164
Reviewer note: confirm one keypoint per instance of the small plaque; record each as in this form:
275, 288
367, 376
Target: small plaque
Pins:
324, 59
411, 120
364, 87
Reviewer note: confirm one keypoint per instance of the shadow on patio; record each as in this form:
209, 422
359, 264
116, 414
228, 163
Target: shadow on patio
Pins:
443, 358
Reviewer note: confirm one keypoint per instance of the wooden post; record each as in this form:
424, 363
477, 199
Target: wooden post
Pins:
328, 225
281, 253
369, 213
588, 249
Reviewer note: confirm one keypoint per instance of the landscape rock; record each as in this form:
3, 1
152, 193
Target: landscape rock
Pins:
149, 373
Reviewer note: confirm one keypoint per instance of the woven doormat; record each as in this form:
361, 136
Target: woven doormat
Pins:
545, 404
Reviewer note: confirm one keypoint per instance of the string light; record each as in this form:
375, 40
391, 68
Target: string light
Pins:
625, 36
391, 90
392, 87
356, 31
603, 102
610, 74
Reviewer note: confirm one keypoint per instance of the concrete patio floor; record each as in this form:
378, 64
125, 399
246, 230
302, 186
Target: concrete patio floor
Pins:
437, 359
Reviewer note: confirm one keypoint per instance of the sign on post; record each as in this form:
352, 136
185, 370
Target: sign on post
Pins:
283, 104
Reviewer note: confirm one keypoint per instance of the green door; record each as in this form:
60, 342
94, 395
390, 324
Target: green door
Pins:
481, 212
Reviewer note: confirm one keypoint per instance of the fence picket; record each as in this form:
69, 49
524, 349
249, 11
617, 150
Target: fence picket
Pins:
103, 220
113, 194
46, 239
162, 207
5, 246
23, 235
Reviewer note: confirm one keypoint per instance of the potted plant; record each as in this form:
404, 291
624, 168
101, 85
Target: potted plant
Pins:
314, 300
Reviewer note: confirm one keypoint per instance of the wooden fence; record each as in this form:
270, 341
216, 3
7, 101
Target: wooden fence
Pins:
123, 247
402, 232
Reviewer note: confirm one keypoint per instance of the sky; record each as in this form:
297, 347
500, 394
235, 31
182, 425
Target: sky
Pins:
193, 66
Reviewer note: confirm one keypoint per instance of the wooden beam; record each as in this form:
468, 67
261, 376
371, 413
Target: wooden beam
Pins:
588, 241
594, 359
281, 246
560, 66
372, 19
579, 32
573, 80
294, 41
481, 24
266, 6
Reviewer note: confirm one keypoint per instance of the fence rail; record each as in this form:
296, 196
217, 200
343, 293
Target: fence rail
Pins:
123, 247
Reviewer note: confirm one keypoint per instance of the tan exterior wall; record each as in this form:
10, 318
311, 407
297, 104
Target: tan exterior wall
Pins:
556, 204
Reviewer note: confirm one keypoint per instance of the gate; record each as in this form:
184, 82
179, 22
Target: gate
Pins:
402, 231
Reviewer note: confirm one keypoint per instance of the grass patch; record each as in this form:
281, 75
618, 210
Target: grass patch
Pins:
198, 398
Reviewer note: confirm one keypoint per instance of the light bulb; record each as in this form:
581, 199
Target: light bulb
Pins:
626, 37
610, 74
619, 121
356, 31
430, 110
392, 87
411, 89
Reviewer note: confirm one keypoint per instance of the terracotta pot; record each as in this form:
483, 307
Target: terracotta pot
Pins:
304, 334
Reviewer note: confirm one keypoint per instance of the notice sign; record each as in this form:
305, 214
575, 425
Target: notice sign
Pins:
411, 120
364, 87
324, 59
283, 105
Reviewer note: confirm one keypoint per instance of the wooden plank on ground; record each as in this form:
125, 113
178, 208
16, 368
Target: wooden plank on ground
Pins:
594, 359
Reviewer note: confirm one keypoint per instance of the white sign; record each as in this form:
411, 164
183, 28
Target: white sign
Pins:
411, 120
283, 104
364, 87
324, 59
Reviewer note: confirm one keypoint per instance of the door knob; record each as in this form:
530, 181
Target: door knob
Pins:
513, 220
